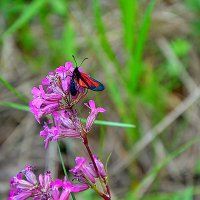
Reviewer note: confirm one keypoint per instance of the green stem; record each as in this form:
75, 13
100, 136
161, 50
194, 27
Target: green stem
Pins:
64, 169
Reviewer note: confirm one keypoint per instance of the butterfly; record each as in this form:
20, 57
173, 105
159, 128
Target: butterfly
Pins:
84, 80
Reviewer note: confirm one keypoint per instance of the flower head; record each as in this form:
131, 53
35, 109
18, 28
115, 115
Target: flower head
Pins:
99, 165
84, 171
30, 187
54, 92
42, 189
44, 103
93, 114
67, 125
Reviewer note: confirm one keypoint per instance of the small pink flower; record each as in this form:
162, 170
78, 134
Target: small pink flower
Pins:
30, 176
93, 114
30, 187
84, 170
67, 125
43, 103
56, 185
45, 181
54, 93
44, 189
99, 165
49, 133
67, 188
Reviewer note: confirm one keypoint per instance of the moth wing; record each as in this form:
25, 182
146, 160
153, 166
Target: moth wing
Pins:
88, 82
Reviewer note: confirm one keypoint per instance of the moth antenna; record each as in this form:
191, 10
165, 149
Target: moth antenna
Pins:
75, 60
83, 61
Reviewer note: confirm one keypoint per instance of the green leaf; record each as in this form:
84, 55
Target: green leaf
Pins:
107, 160
118, 124
104, 42
109, 123
128, 12
14, 105
135, 62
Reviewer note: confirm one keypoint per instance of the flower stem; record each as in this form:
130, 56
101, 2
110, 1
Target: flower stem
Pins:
85, 142
64, 169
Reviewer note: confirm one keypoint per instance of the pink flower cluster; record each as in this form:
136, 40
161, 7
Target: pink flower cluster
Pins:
26, 185
54, 92
84, 171
67, 124
53, 99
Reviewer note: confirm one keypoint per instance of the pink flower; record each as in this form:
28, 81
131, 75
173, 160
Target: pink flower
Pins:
20, 196
56, 185
93, 114
84, 171
99, 165
67, 125
49, 133
30, 187
44, 103
54, 93
44, 189
68, 187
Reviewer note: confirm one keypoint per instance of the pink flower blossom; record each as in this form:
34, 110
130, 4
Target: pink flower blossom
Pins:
84, 171
43, 103
99, 165
30, 187
68, 187
93, 114
44, 189
67, 125
54, 93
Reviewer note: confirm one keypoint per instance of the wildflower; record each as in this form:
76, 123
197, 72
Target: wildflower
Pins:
54, 92
44, 189
68, 187
99, 165
43, 103
84, 171
66, 125
30, 187
93, 114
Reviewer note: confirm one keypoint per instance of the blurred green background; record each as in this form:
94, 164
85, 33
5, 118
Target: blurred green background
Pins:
147, 55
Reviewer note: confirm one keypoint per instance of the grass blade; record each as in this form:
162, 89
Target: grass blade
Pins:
103, 38
27, 14
13, 90
117, 124
135, 63
14, 105
128, 12
156, 169
109, 123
